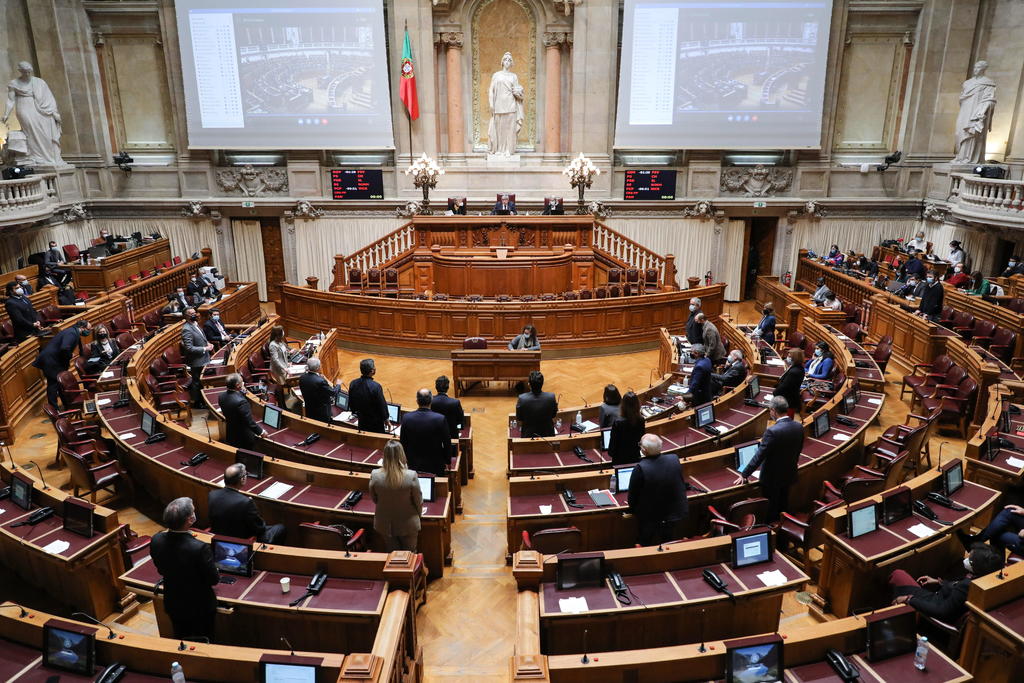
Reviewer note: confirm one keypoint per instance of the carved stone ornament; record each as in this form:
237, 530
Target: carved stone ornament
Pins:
556, 38
759, 181
702, 209
567, 5
408, 210
934, 212
76, 212
195, 209
450, 39
306, 210
599, 209
813, 209
253, 182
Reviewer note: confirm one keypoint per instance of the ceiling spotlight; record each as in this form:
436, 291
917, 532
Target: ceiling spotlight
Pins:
124, 162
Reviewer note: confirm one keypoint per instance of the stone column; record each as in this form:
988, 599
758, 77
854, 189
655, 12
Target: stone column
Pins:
553, 92
452, 42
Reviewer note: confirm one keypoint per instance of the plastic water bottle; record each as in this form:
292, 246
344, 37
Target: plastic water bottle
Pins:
921, 653
177, 675
579, 417
558, 425
613, 484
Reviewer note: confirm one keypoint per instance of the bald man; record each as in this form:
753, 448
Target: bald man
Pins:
233, 513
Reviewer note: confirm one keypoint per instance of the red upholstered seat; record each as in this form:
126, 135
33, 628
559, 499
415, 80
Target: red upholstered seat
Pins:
71, 252
474, 343
926, 373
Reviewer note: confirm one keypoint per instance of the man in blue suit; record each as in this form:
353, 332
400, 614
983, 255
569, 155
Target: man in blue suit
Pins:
425, 437
777, 456
504, 206
700, 377
56, 356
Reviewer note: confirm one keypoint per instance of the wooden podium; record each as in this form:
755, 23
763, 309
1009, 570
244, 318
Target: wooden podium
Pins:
492, 365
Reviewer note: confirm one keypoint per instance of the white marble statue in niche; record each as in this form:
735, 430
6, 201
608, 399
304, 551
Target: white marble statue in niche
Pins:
977, 101
506, 100
36, 108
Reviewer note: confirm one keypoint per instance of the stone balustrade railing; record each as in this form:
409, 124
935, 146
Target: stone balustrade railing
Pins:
28, 199
998, 200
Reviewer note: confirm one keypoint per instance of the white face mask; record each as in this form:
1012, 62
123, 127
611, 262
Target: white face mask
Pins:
18, 291
957, 269
789, 361
967, 564
216, 317
692, 308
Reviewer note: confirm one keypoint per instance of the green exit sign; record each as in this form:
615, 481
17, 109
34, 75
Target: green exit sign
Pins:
249, 205
760, 205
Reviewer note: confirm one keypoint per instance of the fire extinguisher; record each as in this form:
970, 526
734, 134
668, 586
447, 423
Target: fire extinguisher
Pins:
707, 279
787, 278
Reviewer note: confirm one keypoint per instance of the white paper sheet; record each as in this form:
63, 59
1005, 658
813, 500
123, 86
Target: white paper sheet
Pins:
106, 375
296, 369
722, 429
839, 436
588, 425
573, 605
424, 510
1015, 462
56, 547
127, 435
875, 401
921, 530
102, 401
343, 416
772, 578
217, 361
775, 361
545, 509
276, 490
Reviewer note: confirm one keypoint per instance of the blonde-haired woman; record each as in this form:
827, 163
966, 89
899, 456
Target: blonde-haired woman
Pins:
396, 493
279, 353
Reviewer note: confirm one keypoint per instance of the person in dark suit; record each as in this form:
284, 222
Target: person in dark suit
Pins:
694, 330
366, 399
53, 255
504, 205
22, 281
536, 409
789, 384
22, 313
56, 356
317, 393
458, 206
173, 307
48, 278
940, 598
627, 428
931, 298
657, 493
426, 438
611, 405
913, 288
215, 330
554, 207
102, 351
196, 289
776, 456
195, 348
700, 377
1006, 530
766, 327
233, 513
241, 430
735, 371
189, 574
450, 407
1013, 267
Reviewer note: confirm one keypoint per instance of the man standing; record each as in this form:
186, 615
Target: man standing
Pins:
22, 314
366, 399
657, 492
189, 574
712, 340
240, 429
694, 330
196, 351
232, 513
536, 409
426, 438
776, 456
215, 330
700, 377
931, 298
317, 393
450, 407
55, 357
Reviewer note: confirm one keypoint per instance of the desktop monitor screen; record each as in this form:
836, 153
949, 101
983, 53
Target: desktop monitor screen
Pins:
427, 487
952, 477
754, 659
862, 519
148, 423
580, 571
232, 555
21, 491
622, 477
704, 415
253, 462
896, 505
272, 416
606, 439
341, 400
856, 391
754, 388
78, 517
989, 448
271, 672
849, 403
745, 453
393, 412
69, 647
891, 634
821, 424
748, 549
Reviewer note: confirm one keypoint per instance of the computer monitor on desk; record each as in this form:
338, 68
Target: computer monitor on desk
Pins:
754, 659
21, 491
952, 477
862, 519
744, 454
394, 412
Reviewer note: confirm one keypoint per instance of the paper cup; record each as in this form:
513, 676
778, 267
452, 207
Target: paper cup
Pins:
286, 585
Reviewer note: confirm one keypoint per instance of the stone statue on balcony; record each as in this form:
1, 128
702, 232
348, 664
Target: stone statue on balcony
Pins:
977, 102
506, 100
30, 98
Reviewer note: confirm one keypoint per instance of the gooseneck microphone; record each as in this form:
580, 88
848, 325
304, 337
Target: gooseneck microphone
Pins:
41, 477
110, 631
290, 648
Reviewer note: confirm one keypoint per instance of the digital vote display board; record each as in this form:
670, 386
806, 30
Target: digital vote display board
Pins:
357, 183
650, 185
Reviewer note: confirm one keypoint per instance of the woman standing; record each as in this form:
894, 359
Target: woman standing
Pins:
624, 444
396, 493
279, 362
610, 405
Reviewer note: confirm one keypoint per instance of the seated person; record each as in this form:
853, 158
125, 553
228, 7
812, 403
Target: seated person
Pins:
835, 257
819, 294
457, 206
957, 277
913, 288
527, 341
956, 252
102, 351
174, 306
940, 598
832, 302
735, 371
66, 296
503, 206
979, 285
1013, 267
215, 331
913, 266
197, 289
918, 243
49, 277
821, 364
868, 266
554, 207
1006, 530
211, 277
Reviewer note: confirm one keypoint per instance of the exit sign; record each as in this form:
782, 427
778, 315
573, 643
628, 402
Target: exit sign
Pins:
760, 205
249, 205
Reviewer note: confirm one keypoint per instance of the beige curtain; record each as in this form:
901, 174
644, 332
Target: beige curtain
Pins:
317, 242
733, 251
859, 234
249, 254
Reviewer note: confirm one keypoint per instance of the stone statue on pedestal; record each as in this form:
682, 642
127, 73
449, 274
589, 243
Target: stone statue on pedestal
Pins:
506, 101
977, 101
31, 99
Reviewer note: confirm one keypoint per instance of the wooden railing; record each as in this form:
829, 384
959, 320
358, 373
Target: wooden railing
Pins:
28, 198
987, 195
375, 255
151, 293
634, 255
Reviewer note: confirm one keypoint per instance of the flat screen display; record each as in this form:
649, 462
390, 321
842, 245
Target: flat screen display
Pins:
821, 424
21, 491
148, 423
287, 673
744, 454
622, 478
953, 478
751, 549
357, 183
754, 388
892, 636
394, 411
232, 555
863, 520
649, 185
78, 517
760, 663
606, 438
272, 416
896, 505
579, 572
426, 488
849, 403
253, 462
69, 650
704, 415
341, 400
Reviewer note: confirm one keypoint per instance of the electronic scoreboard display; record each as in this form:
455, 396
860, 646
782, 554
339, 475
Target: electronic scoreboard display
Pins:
357, 183
650, 185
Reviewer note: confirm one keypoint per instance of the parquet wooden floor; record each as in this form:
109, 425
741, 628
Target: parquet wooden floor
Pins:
467, 627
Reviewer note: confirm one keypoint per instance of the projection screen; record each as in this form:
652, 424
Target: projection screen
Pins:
722, 74
269, 74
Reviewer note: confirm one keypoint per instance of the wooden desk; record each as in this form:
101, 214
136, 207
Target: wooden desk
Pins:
492, 365
99, 277
82, 576
854, 571
993, 647
999, 473
239, 304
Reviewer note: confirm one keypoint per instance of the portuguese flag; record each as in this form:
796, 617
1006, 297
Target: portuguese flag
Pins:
407, 89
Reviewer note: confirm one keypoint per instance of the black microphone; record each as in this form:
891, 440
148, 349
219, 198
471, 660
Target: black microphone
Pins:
110, 631
209, 436
14, 467
41, 477
390, 399
702, 648
586, 404
290, 648
585, 659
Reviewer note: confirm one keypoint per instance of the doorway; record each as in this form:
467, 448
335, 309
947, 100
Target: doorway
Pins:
760, 251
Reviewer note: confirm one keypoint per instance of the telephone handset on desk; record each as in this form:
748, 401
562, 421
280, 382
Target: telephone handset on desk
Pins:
316, 584
843, 667
351, 499
581, 454
921, 508
711, 430
36, 517
619, 587
715, 581
113, 673
159, 436
570, 498
196, 459
942, 500
5, 492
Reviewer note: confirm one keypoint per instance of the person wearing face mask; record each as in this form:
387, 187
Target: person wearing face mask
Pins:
980, 286
735, 371
22, 281
700, 376
821, 292
913, 267
196, 350
956, 253
788, 386
174, 307
712, 340
918, 243
957, 277
821, 365
55, 357
913, 289
776, 457
196, 289
931, 298
182, 298
832, 302
835, 257
102, 351
943, 599
53, 255
215, 330
766, 328
694, 330
22, 313
1013, 267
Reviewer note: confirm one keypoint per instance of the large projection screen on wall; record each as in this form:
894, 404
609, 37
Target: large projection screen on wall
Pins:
722, 74
273, 74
